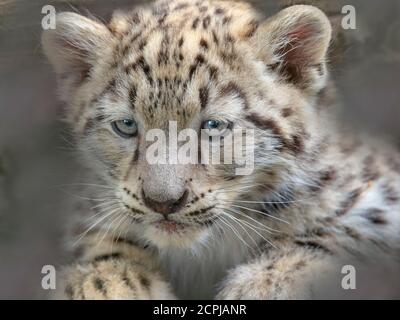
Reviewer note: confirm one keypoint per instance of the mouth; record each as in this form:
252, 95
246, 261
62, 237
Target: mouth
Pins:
169, 226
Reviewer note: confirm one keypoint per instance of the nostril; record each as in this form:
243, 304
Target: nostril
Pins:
165, 207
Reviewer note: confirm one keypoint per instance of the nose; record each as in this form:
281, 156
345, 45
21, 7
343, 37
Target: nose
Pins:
166, 207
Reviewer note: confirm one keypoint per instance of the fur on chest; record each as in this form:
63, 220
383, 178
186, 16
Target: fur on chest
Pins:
196, 273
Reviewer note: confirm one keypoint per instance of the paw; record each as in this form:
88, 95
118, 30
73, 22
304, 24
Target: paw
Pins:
247, 283
260, 282
111, 280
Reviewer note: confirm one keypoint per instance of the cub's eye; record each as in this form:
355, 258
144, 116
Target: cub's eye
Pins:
126, 128
215, 127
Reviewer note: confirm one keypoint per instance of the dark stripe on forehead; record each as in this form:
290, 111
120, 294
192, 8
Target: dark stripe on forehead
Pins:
132, 96
141, 64
203, 97
197, 63
232, 89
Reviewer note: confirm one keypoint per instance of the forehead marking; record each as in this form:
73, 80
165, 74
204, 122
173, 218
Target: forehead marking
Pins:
203, 96
233, 89
197, 63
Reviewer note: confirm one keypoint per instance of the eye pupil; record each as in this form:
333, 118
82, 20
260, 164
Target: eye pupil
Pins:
213, 124
215, 127
125, 128
128, 122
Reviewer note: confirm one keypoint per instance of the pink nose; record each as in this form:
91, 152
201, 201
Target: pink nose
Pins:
166, 207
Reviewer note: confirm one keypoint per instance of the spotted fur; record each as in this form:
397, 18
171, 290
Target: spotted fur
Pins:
318, 194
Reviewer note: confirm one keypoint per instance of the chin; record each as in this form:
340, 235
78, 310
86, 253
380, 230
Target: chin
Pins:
183, 237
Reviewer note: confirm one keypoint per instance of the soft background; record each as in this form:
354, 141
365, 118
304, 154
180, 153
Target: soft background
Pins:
35, 161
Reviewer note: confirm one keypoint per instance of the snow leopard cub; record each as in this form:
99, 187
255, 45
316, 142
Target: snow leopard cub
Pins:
316, 197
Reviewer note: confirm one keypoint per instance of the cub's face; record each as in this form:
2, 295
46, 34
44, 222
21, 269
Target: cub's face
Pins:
201, 74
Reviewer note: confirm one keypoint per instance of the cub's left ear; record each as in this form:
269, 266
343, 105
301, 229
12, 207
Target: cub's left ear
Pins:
294, 43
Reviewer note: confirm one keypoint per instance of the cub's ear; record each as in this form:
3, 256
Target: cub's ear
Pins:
294, 43
74, 46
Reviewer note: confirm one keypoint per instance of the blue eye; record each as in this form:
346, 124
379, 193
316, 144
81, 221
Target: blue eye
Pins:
211, 124
125, 128
215, 127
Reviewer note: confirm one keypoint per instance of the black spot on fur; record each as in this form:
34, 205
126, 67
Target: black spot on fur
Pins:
203, 44
197, 63
352, 233
135, 19
349, 202
313, 245
253, 25
125, 241
375, 216
141, 63
370, 171
206, 22
100, 285
144, 281
390, 194
219, 11
215, 37
320, 69
195, 23
327, 176
297, 144
132, 96
106, 257
162, 19
226, 20
287, 112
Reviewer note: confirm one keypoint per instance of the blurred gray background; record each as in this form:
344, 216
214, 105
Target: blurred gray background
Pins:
35, 156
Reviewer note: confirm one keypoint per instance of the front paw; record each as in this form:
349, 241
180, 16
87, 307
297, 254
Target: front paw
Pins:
111, 279
260, 281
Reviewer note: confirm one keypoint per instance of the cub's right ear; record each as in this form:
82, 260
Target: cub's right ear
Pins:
74, 46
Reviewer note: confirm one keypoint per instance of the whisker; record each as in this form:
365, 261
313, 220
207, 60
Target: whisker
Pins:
269, 202
109, 227
262, 226
244, 229
102, 211
112, 201
85, 198
93, 226
261, 212
118, 226
234, 231
251, 227
83, 185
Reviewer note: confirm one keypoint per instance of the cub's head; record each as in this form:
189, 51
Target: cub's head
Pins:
131, 83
